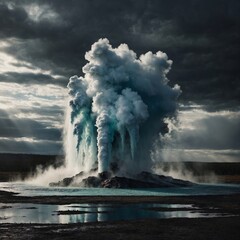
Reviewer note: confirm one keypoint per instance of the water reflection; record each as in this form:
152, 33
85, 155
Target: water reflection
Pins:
83, 213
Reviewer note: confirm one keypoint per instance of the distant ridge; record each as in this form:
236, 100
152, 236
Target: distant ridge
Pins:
21, 164
18, 162
201, 168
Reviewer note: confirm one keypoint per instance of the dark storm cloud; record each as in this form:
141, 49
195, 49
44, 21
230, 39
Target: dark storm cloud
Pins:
15, 22
201, 37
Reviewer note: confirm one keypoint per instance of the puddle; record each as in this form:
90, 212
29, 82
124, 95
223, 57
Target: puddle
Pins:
84, 213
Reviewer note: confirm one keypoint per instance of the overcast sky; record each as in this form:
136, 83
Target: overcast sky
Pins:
43, 43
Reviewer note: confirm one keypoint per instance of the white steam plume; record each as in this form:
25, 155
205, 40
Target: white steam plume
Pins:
118, 107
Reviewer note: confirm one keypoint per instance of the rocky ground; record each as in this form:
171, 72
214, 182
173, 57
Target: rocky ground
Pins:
181, 229
106, 180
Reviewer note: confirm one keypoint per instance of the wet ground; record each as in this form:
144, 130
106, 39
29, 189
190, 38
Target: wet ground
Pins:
181, 229
219, 217
100, 212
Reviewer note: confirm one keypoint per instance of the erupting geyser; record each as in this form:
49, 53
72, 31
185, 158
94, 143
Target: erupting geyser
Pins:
117, 109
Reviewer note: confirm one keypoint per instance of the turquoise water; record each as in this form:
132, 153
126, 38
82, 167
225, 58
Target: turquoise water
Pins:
202, 189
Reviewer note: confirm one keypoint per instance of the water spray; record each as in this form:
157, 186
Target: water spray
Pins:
117, 108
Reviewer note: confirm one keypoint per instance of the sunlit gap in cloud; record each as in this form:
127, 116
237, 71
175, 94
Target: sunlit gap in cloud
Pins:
33, 118
10, 64
41, 12
198, 136
200, 133
19, 96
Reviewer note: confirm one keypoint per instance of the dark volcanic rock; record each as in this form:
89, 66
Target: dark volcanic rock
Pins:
123, 182
104, 175
165, 181
91, 182
66, 181
63, 183
141, 180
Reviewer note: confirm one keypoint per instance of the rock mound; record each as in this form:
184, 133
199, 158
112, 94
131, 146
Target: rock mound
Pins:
105, 180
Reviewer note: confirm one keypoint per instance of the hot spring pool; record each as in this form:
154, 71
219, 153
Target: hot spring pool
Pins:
25, 189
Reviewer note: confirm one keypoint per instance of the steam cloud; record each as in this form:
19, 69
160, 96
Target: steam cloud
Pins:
117, 108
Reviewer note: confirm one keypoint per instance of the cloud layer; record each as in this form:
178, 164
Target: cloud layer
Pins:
43, 43
202, 38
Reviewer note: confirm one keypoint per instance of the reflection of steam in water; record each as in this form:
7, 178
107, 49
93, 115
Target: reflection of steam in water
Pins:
102, 215
84, 213
28, 213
